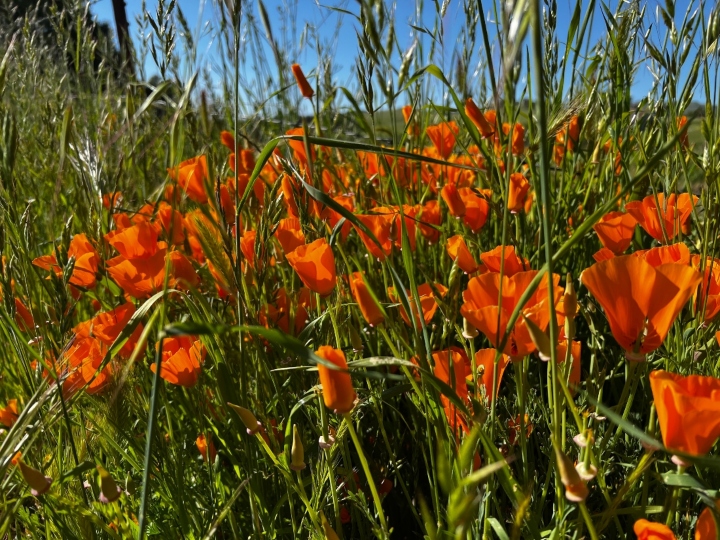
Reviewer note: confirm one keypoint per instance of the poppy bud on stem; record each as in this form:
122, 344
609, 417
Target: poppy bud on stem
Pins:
305, 88
109, 490
38, 482
297, 452
539, 338
248, 418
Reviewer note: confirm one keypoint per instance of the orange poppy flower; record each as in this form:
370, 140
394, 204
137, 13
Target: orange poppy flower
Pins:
674, 253
303, 84
518, 189
204, 448
23, 316
289, 234
107, 327
514, 429
443, 137
413, 128
247, 246
86, 257
517, 138
110, 201
381, 226
395, 227
705, 528
615, 231
603, 255
427, 302
442, 361
688, 410
333, 218
476, 207
485, 128
647, 530
338, 392
182, 357
227, 139
485, 362
458, 251
315, 265
190, 175
480, 308
429, 216
9, 413
709, 296
277, 313
368, 305
82, 360
172, 223
670, 214
512, 264
455, 203
640, 301
684, 138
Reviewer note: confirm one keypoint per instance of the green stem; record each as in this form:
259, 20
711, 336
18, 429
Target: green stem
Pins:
368, 474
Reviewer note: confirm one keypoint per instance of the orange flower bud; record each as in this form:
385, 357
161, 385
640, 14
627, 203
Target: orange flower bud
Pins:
452, 198
338, 392
305, 88
519, 186
369, 307
478, 118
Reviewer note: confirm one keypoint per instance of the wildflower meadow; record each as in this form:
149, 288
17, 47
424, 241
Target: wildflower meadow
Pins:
462, 283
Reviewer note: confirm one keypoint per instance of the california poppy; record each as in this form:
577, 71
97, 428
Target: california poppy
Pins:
412, 128
333, 218
315, 265
455, 203
688, 410
338, 392
670, 214
9, 413
395, 226
86, 262
570, 134
477, 208
443, 360
673, 253
305, 89
517, 191
485, 362
206, 448
289, 234
247, 246
428, 303
381, 226
709, 297
684, 138
182, 357
277, 313
647, 530
574, 372
640, 301
108, 325
511, 265
443, 137
516, 136
428, 221
368, 305
190, 175
81, 361
172, 223
481, 308
458, 251
615, 231
478, 118
603, 254
706, 528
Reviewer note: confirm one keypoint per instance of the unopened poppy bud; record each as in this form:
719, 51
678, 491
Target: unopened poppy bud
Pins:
575, 488
355, 339
109, 490
38, 482
469, 331
330, 533
570, 297
297, 452
247, 417
478, 118
539, 338
305, 88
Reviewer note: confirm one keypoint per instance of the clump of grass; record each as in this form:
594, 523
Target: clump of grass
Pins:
236, 306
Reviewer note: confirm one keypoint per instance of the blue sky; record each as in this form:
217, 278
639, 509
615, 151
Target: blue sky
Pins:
202, 18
